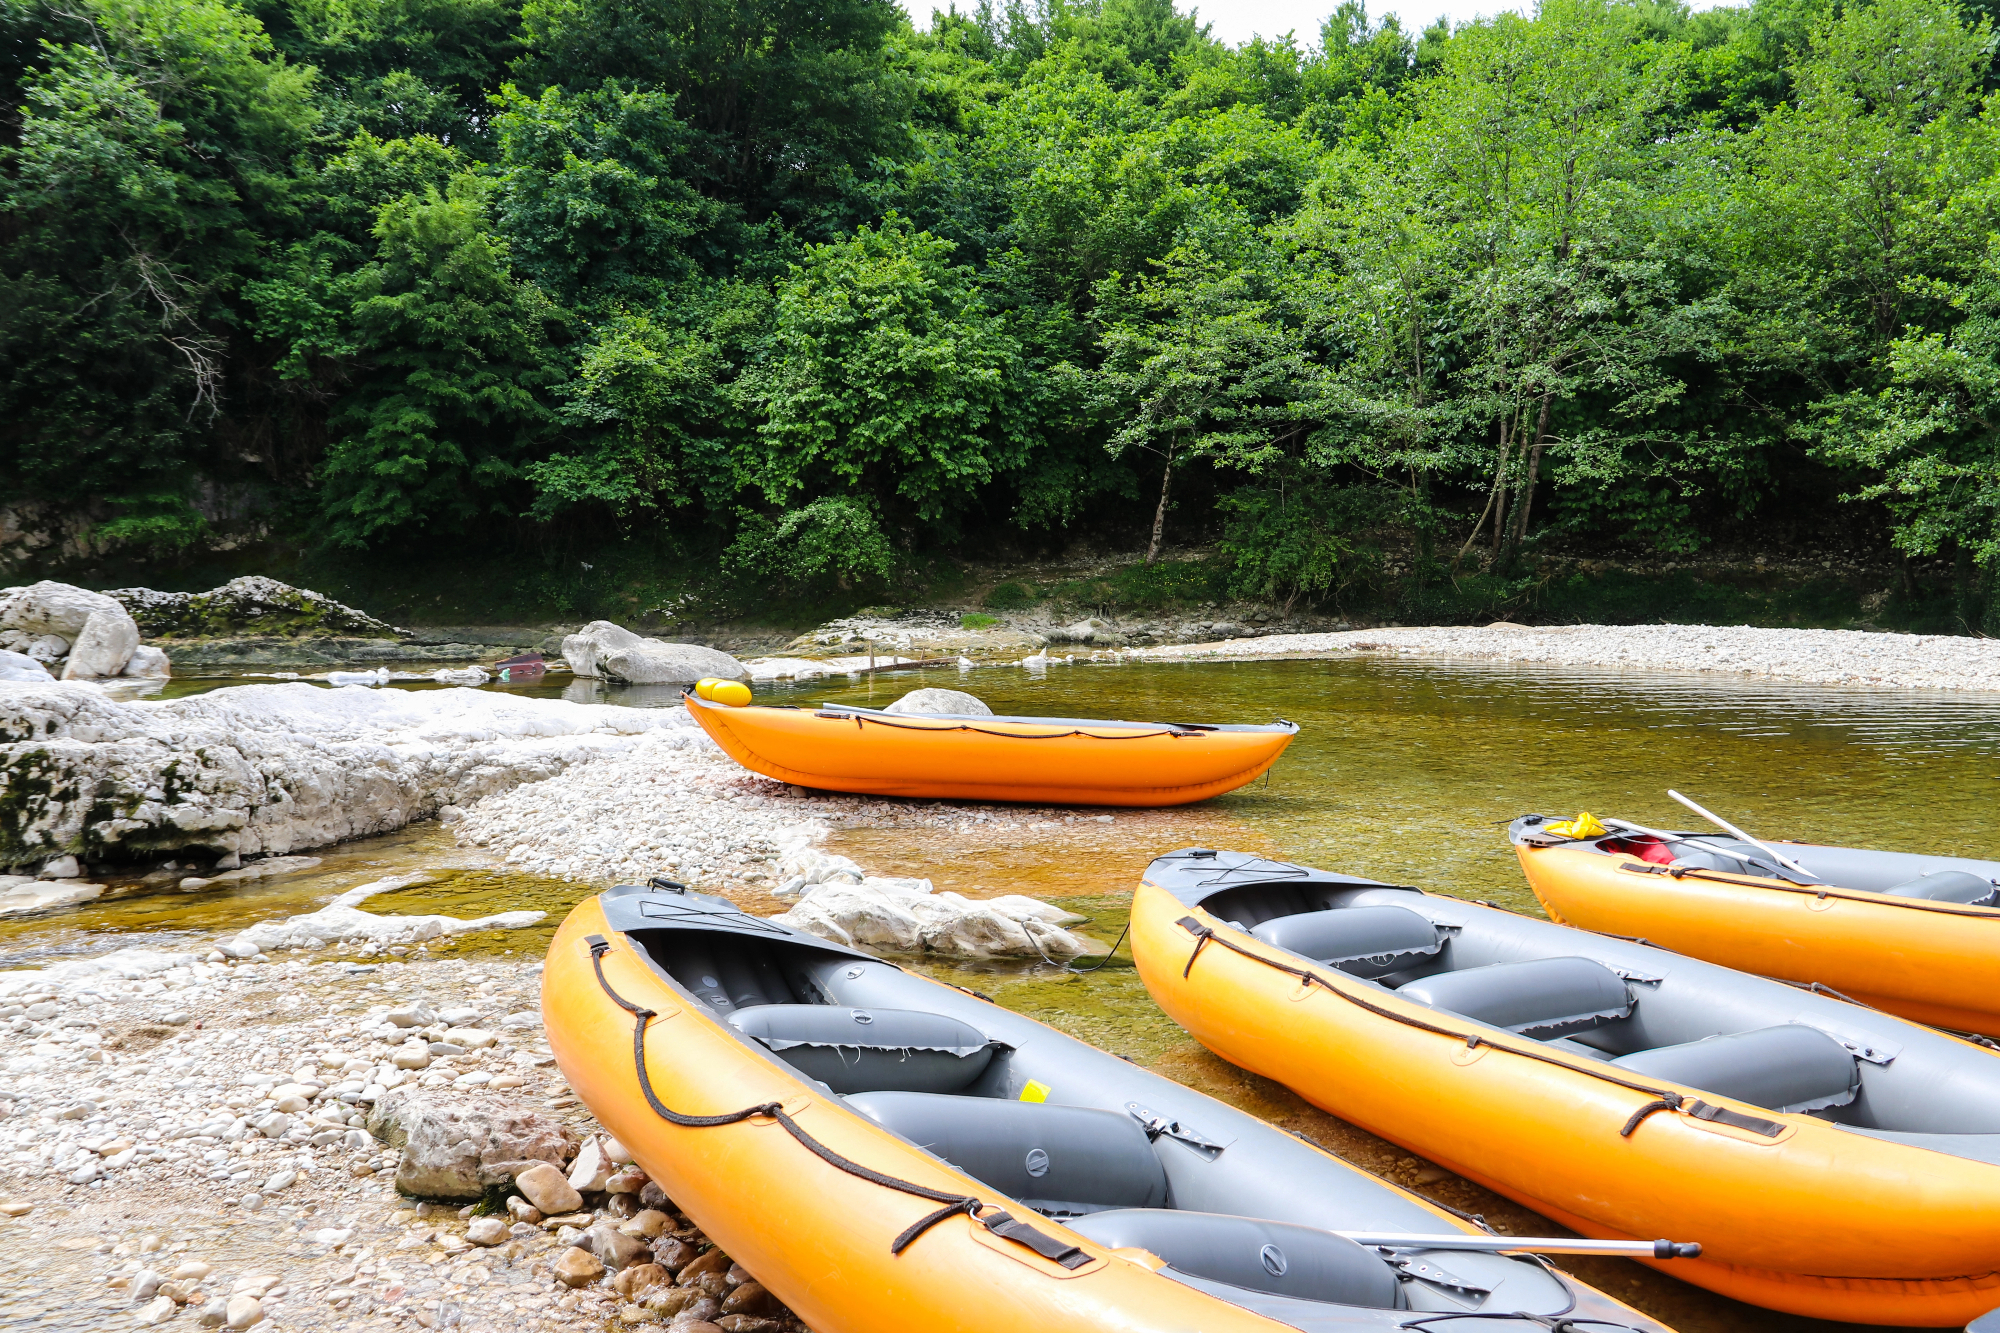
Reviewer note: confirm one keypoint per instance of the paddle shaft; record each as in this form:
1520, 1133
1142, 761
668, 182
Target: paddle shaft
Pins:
1639, 1249
1727, 827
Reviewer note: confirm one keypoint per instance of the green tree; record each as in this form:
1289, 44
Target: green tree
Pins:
791, 105
449, 350
887, 377
1874, 203
145, 157
1199, 369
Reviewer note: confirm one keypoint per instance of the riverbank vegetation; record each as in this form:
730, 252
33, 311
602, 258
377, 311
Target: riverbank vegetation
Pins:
790, 296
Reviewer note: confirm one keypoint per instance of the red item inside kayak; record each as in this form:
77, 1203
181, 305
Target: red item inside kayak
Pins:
1646, 849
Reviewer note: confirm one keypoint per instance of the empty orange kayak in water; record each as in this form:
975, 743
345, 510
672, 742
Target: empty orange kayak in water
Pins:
1831, 1161
1057, 760
1913, 934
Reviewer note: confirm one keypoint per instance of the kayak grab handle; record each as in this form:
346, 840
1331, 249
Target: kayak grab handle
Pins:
1630, 1249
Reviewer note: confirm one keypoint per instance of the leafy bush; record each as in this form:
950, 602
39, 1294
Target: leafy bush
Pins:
1303, 538
973, 620
832, 539
1011, 597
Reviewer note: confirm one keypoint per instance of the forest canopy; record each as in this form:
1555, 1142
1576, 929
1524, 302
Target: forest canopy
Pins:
799, 288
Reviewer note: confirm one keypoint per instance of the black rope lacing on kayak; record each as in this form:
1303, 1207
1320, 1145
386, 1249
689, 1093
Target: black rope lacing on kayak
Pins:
1816, 890
1555, 1323
859, 718
1665, 1099
1000, 1222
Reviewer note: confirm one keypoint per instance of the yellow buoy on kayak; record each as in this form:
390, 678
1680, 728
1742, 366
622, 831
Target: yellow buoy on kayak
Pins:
732, 692
705, 687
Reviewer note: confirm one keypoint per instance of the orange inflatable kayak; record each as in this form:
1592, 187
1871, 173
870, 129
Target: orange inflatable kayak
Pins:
1061, 761
1832, 1161
1916, 935
887, 1153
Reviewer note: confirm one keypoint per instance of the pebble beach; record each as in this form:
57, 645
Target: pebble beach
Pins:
1813, 656
190, 1141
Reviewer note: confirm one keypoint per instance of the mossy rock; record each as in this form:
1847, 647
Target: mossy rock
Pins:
253, 605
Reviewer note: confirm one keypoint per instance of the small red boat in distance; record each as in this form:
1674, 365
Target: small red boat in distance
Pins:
520, 668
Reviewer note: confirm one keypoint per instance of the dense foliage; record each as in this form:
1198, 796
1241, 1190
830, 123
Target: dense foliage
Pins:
810, 292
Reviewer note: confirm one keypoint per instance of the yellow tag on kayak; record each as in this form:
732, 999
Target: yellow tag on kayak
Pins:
1035, 1092
1584, 825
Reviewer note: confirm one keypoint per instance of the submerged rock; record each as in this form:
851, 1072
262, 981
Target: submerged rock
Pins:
604, 649
22, 897
342, 919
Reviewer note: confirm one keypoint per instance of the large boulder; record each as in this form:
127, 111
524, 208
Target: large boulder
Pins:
274, 768
96, 632
892, 916
252, 605
933, 700
104, 646
604, 649
53, 608
457, 1147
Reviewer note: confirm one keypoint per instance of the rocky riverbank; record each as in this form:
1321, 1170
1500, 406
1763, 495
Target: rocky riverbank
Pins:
271, 769
1812, 656
193, 1141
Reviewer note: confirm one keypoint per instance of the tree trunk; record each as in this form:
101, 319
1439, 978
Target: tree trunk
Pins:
1500, 494
1160, 514
1527, 500
1499, 471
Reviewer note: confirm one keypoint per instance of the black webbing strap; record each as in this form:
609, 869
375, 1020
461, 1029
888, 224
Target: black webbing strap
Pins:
969, 1204
1722, 1115
1041, 1242
1666, 1099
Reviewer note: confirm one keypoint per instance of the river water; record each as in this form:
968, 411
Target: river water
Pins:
1404, 771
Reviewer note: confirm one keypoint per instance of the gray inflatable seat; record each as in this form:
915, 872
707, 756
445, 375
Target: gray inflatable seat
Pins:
870, 1050
1790, 1067
1276, 1257
1948, 886
1545, 997
1056, 1159
1365, 941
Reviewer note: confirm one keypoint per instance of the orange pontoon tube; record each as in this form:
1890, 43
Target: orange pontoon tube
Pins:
1060, 761
889, 1154
1832, 1161
1916, 935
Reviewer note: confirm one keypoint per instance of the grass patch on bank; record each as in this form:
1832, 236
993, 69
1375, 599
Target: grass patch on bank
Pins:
1162, 586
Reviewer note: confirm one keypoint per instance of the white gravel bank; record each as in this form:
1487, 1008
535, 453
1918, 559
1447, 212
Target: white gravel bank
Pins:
673, 804
1813, 656
181, 1146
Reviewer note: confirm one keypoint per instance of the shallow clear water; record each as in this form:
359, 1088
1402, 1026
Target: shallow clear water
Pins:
1403, 771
